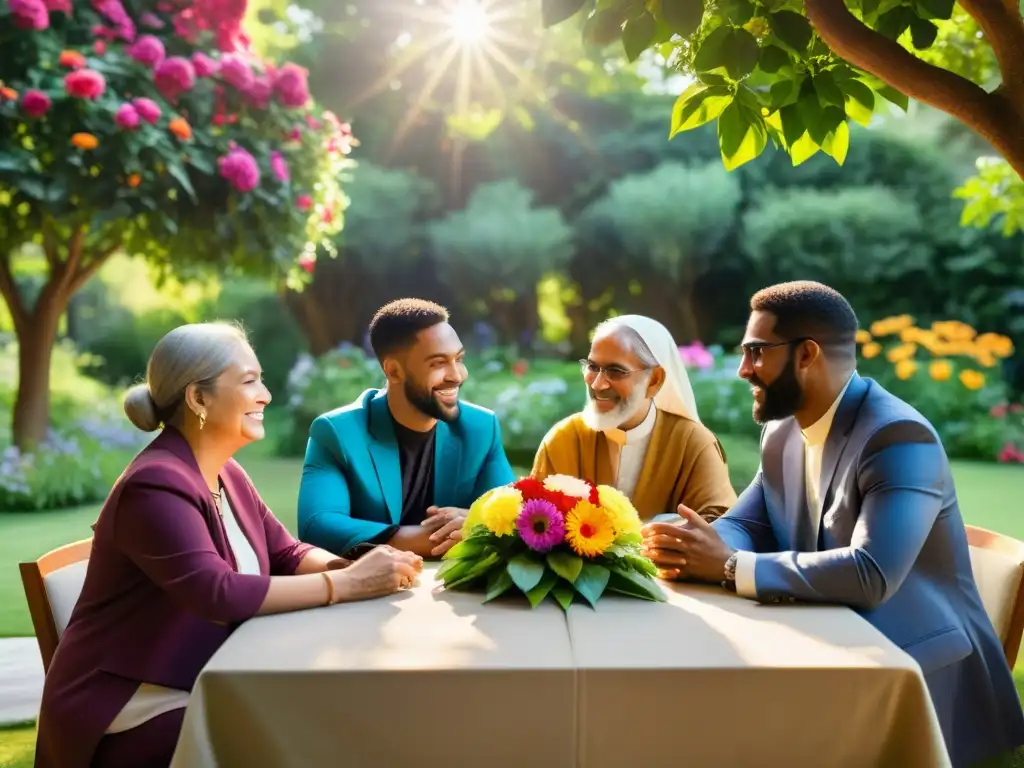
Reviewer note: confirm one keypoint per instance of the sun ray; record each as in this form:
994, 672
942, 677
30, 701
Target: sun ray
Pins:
425, 93
406, 60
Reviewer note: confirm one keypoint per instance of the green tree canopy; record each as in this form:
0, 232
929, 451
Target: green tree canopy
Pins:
795, 71
150, 127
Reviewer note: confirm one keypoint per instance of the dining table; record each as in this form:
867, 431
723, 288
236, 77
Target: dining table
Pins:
434, 677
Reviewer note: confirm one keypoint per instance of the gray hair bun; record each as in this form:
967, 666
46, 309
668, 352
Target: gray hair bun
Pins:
140, 408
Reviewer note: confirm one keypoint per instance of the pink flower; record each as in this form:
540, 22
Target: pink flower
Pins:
258, 92
235, 71
148, 51
240, 169
113, 11
303, 202
1016, 408
99, 47
697, 356
58, 6
148, 109
295, 134
126, 117
291, 85
151, 20
308, 263
204, 65
280, 166
1011, 454
998, 411
35, 103
29, 14
85, 84
174, 76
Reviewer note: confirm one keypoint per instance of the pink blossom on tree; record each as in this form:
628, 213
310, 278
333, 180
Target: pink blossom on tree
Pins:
148, 109
240, 170
291, 85
148, 51
35, 103
29, 14
126, 117
174, 76
85, 84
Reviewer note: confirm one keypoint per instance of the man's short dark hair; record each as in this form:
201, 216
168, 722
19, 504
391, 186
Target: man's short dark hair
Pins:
804, 308
395, 325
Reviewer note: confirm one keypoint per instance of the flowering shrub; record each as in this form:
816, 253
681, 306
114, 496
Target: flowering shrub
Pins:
155, 120
951, 374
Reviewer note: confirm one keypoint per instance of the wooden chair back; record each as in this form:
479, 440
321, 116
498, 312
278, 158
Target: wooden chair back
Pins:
998, 564
46, 590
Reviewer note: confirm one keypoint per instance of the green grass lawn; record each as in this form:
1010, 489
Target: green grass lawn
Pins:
989, 494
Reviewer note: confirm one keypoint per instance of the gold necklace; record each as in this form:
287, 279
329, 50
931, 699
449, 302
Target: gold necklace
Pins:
216, 500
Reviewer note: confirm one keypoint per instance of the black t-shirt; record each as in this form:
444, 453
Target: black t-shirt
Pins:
416, 452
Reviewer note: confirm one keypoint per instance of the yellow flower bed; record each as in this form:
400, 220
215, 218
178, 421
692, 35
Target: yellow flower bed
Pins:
939, 345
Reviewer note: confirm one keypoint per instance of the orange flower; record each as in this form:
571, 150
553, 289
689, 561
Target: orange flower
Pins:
85, 141
996, 343
902, 352
180, 128
940, 370
954, 330
871, 349
9, 93
134, 180
863, 337
972, 379
905, 369
890, 325
71, 60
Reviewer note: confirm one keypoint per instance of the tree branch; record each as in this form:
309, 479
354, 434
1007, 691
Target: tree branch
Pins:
91, 267
50, 246
1003, 27
9, 290
886, 59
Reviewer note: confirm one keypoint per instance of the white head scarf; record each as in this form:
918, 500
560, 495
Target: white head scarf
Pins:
676, 394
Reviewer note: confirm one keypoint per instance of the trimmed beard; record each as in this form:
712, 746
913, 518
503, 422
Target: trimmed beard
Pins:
624, 410
426, 402
782, 398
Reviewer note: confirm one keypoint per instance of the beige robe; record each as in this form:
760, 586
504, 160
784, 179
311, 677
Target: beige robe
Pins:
684, 464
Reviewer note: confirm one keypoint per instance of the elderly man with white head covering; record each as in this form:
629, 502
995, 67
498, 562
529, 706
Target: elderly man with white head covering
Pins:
639, 430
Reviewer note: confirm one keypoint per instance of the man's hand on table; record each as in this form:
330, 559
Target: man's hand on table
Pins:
445, 527
690, 550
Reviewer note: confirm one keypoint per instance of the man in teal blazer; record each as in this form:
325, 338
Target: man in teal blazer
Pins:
402, 465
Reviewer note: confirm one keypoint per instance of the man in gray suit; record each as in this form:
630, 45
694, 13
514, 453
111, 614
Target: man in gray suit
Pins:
853, 504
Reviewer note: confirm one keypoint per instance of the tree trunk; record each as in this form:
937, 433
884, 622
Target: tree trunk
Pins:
35, 351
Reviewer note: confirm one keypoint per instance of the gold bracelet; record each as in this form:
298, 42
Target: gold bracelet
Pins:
330, 588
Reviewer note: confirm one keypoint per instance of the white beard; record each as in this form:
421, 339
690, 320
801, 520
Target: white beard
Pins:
599, 422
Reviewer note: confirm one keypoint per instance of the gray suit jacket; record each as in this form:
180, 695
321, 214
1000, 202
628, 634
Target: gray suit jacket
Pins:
888, 541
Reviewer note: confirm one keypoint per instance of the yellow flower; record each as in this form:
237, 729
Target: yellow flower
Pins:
475, 516
905, 369
983, 356
620, 509
863, 337
902, 352
890, 325
871, 349
589, 530
940, 370
996, 343
501, 509
972, 379
954, 330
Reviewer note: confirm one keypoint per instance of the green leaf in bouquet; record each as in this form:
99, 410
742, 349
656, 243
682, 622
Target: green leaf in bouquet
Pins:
447, 567
563, 592
540, 591
591, 582
476, 569
634, 585
565, 564
629, 539
465, 549
526, 572
498, 583
641, 564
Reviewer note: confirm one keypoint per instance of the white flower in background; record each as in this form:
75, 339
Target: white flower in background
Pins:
570, 486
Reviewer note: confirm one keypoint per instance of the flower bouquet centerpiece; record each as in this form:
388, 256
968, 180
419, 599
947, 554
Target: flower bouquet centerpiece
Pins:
562, 536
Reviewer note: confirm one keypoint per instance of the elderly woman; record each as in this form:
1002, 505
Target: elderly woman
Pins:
184, 550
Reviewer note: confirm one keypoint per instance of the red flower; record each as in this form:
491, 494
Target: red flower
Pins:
30, 14
35, 104
998, 411
308, 263
85, 84
71, 60
532, 488
303, 202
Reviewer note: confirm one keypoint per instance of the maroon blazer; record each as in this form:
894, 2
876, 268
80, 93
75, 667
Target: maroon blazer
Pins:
161, 594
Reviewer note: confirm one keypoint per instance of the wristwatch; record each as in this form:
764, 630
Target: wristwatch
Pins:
730, 573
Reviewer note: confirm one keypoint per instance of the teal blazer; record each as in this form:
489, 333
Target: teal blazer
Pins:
351, 490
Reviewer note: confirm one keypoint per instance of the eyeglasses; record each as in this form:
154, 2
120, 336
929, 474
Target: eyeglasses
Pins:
611, 372
753, 349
